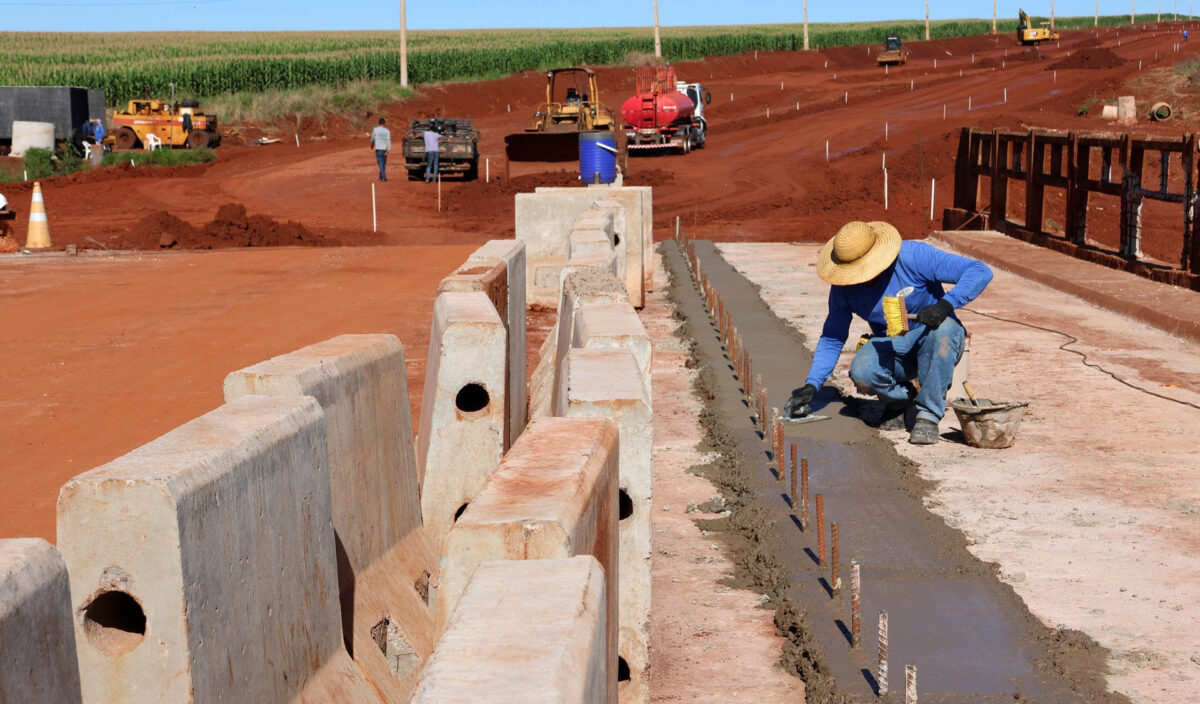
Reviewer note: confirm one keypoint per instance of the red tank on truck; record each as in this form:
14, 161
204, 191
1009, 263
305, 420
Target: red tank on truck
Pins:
666, 113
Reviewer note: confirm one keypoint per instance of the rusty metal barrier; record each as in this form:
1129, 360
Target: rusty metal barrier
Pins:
1042, 159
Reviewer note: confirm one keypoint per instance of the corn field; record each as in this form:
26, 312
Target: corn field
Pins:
206, 64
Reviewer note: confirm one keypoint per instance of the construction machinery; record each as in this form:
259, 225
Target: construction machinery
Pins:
1032, 36
572, 106
157, 122
458, 150
893, 53
665, 113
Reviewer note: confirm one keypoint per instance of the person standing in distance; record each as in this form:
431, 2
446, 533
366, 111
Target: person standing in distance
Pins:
433, 142
381, 142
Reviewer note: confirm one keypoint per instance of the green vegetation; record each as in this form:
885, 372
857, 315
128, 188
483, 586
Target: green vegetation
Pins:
315, 101
210, 64
43, 163
161, 157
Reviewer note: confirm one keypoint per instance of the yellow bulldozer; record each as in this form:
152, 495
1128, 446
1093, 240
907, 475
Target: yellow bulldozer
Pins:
1031, 36
572, 106
181, 124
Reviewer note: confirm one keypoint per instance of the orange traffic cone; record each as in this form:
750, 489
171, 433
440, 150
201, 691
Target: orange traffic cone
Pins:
38, 236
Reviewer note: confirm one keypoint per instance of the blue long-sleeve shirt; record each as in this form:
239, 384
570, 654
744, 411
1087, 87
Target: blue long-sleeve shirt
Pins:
917, 274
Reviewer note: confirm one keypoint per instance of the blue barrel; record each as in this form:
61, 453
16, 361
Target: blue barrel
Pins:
597, 157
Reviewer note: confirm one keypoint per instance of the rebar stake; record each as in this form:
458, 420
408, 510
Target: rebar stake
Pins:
762, 405
820, 529
777, 438
793, 495
910, 684
792, 450
803, 488
883, 654
855, 604
835, 581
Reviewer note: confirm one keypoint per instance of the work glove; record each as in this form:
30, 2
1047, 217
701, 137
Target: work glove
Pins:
932, 316
798, 405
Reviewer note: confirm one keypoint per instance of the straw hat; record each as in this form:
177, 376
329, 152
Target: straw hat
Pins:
858, 253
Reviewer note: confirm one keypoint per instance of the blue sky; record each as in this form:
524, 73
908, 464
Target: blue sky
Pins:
263, 15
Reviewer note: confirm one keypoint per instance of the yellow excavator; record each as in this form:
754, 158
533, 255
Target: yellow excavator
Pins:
572, 106
1032, 36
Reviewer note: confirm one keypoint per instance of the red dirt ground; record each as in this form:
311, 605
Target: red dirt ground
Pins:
113, 352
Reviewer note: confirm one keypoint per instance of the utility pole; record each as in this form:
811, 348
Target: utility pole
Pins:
1096, 23
1158, 18
806, 25
994, 17
403, 46
1132, 11
657, 37
1052, 14
926, 20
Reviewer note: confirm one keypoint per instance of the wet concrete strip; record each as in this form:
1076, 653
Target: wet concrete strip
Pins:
972, 638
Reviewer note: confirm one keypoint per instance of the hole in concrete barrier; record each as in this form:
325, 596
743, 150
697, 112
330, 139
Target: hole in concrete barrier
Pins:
403, 660
114, 622
625, 504
459, 512
422, 586
623, 674
472, 398
616, 239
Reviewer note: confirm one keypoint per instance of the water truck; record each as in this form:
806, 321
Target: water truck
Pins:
666, 113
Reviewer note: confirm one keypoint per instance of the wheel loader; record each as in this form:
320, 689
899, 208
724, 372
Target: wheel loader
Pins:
572, 106
181, 124
893, 53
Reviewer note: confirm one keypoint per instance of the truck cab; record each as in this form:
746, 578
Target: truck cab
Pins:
700, 98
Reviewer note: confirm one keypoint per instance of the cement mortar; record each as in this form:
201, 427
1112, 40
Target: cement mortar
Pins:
970, 635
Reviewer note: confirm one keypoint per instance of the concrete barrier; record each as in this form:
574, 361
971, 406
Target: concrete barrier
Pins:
461, 436
544, 218
614, 326
530, 631
554, 495
639, 222
37, 640
512, 253
586, 286
491, 278
385, 561
606, 383
202, 565
584, 240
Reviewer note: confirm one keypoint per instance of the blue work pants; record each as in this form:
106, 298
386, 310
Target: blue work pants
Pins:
431, 166
381, 159
884, 364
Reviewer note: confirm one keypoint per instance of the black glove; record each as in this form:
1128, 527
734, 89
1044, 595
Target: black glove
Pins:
798, 405
932, 316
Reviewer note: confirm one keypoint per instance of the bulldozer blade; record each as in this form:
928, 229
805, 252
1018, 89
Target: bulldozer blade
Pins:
542, 146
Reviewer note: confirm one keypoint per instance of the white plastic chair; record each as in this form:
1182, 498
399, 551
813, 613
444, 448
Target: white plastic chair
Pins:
153, 142
87, 150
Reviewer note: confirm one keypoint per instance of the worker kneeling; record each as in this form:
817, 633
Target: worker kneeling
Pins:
864, 263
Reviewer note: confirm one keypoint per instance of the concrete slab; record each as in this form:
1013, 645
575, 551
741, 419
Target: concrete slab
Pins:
608, 216
36, 633
554, 495
512, 253
530, 631
614, 326
202, 565
491, 278
385, 560
461, 436
606, 383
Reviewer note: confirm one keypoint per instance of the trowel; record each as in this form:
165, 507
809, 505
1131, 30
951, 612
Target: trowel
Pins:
804, 416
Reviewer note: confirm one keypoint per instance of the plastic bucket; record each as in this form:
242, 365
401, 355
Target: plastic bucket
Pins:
989, 425
597, 157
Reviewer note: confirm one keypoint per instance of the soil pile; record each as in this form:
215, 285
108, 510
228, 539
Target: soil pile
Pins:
231, 227
1094, 57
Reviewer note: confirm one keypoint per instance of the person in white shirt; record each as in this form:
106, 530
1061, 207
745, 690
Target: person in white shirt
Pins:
381, 142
